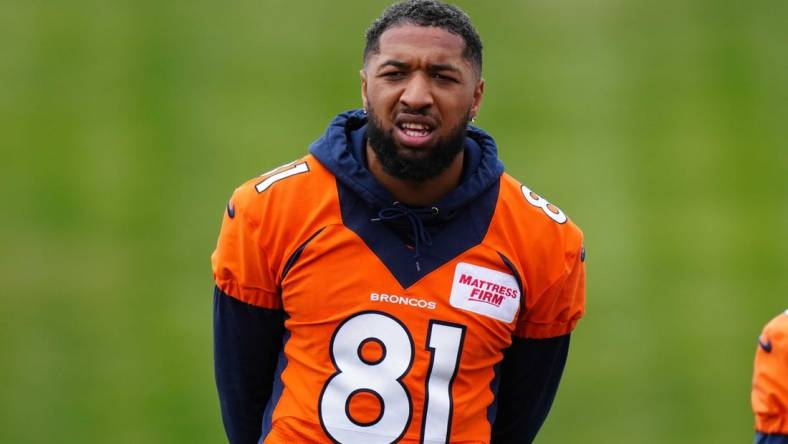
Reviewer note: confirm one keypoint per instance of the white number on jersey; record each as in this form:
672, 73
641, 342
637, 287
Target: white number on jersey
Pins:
552, 211
283, 172
384, 379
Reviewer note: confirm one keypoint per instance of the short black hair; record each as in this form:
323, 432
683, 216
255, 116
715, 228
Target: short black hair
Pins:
427, 13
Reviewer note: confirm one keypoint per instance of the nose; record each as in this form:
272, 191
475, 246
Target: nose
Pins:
417, 94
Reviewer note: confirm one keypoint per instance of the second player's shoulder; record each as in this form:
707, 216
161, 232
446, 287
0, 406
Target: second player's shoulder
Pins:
776, 330
769, 389
779, 322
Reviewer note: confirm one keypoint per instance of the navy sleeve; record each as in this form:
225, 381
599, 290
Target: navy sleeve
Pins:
247, 341
529, 375
762, 438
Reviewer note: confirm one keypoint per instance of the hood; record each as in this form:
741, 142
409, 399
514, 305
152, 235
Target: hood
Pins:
341, 150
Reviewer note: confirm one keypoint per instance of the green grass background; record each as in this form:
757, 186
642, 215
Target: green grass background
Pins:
658, 126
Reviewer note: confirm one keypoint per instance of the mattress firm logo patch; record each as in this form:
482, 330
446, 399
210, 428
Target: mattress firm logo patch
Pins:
485, 291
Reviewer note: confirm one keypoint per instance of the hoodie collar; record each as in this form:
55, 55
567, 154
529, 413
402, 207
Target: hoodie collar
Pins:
341, 150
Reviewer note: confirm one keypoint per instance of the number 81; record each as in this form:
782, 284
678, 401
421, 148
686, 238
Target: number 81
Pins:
383, 379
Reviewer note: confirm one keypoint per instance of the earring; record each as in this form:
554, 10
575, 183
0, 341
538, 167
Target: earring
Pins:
473, 119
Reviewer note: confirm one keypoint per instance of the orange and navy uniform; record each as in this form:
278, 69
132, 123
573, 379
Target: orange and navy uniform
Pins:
397, 322
770, 383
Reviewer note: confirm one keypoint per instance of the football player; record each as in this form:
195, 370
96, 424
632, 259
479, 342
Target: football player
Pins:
770, 383
394, 284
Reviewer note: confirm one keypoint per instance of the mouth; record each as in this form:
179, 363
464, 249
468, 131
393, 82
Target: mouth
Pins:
414, 133
415, 129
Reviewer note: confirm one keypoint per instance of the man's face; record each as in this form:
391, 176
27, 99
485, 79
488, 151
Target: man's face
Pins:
419, 92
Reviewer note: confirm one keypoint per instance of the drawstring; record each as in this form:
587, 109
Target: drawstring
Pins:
420, 234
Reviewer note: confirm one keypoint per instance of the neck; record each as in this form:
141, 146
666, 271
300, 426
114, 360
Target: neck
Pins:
417, 194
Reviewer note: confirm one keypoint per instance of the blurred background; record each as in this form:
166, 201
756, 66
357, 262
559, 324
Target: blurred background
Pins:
659, 127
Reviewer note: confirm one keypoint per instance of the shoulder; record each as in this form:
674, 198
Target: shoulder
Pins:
539, 239
284, 207
546, 249
774, 336
287, 192
778, 324
523, 214
769, 391
266, 220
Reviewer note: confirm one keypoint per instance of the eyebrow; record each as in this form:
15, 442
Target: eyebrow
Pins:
394, 63
443, 67
432, 67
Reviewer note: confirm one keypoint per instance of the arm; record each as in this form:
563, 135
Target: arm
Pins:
529, 375
761, 438
247, 342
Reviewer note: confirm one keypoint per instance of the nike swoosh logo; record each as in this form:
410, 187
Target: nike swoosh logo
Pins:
766, 346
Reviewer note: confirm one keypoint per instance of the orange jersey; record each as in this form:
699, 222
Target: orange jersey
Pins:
770, 378
382, 347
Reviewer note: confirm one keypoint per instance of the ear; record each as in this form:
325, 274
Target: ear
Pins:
478, 93
363, 75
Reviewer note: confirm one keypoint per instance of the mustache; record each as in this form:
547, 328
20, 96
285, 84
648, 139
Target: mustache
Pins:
413, 111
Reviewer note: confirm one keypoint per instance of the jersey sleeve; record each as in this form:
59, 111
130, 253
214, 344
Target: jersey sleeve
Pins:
556, 310
770, 378
241, 266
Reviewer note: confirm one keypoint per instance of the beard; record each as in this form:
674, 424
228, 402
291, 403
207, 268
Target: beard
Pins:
421, 166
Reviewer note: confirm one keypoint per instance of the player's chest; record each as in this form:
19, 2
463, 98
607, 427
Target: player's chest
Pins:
337, 276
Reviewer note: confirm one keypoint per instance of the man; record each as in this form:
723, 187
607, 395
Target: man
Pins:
394, 285
770, 383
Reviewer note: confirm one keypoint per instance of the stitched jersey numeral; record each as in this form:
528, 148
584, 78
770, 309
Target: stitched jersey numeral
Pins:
382, 378
280, 173
552, 211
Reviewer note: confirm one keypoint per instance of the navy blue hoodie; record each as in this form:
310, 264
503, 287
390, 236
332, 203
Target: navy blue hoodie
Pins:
341, 149
362, 198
